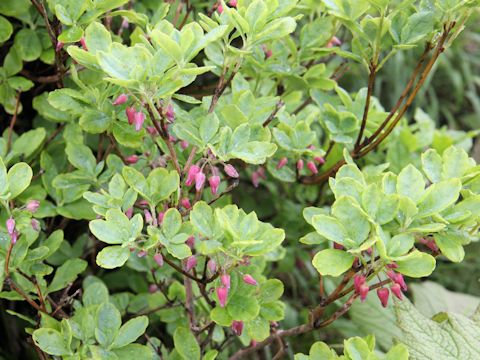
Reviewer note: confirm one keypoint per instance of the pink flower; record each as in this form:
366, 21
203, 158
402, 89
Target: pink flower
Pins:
158, 259
185, 202
35, 224
220, 9
32, 205
132, 159
152, 131
397, 291
184, 144
192, 172
225, 279
237, 327
191, 263
14, 237
383, 294
283, 161
233, 3
190, 242
160, 216
199, 180
130, 111
214, 182
212, 266
261, 173
392, 266
129, 212
230, 171
170, 113
299, 164
319, 159
334, 41
121, 99
152, 288
358, 281
59, 46
148, 217
138, 120
141, 253
312, 167
337, 246
84, 44
255, 179
401, 281
222, 294
10, 225
363, 292
248, 279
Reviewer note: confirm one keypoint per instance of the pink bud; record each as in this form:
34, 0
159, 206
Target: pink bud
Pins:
170, 114
401, 281
199, 180
192, 172
392, 275
214, 182
334, 41
121, 99
129, 212
358, 281
222, 294
190, 242
255, 179
160, 216
185, 202
220, 9
369, 251
319, 159
125, 23
138, 120
132, 159
312, 167
237, 327
59, 46
151, 130
142, 203
253, 343
33, 205
233, 3
130, 111
230, 171
311, 147
383, 294
158, 259
148, 217
363, 292
300, 165
248, 279
212, 266
171, 138
268, 53
35, 224
337, 246
191, 263
152, 288
84, 44
283, 161
184, 144
392, 266
225, 279
141, 253
10, 225
261, 173
397, 291
14, 237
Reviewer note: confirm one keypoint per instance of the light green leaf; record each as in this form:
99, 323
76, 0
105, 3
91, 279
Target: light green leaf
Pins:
416, 264
66, 274
410, 183
329, 228
130, 331
332, 262
19, 177
108, 321
186, 344
51, 341
112, 256
438, 197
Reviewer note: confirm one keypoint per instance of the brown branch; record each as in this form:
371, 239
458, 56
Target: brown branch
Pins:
371, 85
270, 118
12, 122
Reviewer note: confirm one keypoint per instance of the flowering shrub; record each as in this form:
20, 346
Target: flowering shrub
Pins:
172, 171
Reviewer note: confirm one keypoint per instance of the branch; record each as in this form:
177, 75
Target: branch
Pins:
278, 106
371, 85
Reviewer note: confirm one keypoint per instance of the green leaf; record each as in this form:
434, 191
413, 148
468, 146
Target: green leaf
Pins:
220, 316
258, 329
51, 341
438, 197
242, 307
352, 217
66, 274
97, 38
270, 290
418, 26
6, 29
133, 351
450, 246
186, 344
172, 222
130, 331
108, 321
29, 142
112, 257
432, 165
329, 228
410, 183
416, 264
332, 262
3, 178
81, 157
19, 177
28, 44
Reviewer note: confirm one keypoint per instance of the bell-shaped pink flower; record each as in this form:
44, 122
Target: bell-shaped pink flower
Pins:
358, 281
233, 3
152, 131
199, 180
225, 279
170, 113
337, 246
152, 288
397, 291
237, 327
214, 182
190, 242
132, 159
319, 159
283, 161
192, 172
184, 144
141, 253
383, 295
191, 263
148, 216
231, 171
255, 179
138, 120
129, 212
334, 41
248, 279
300, 165
130, 111
84, 44
312, 167
32, 205
220, 8
185, 202
401, 281
363, 292
10, 225
212, 266
121, 99
14, 237
35, 224
222, 294
160, 217
158, 259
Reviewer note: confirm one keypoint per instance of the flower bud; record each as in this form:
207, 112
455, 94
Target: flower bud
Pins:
268, 53
397, 291
401, 281
237, 327
214, 182
84, 44
222, 294
312, 167
337, 246
220, 9
148, 217
383, 294
35, 224
152, 288
261, 173
231, 171
190, 242
152, 131
255, 179
184, 144
132, 159
141, 253
59, 46
358, 281
191, 263
212, 266
283, 161
192, 172
248, 279
319, 159
138, 120
334, 41
199, 180
129, 212
130, 111
233, 3
160, 216
300, 165
10, 225
185, 202
363, 292
158, 259
14, 237
170, 113
225, 279
32, 205
392, 266
121, 99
